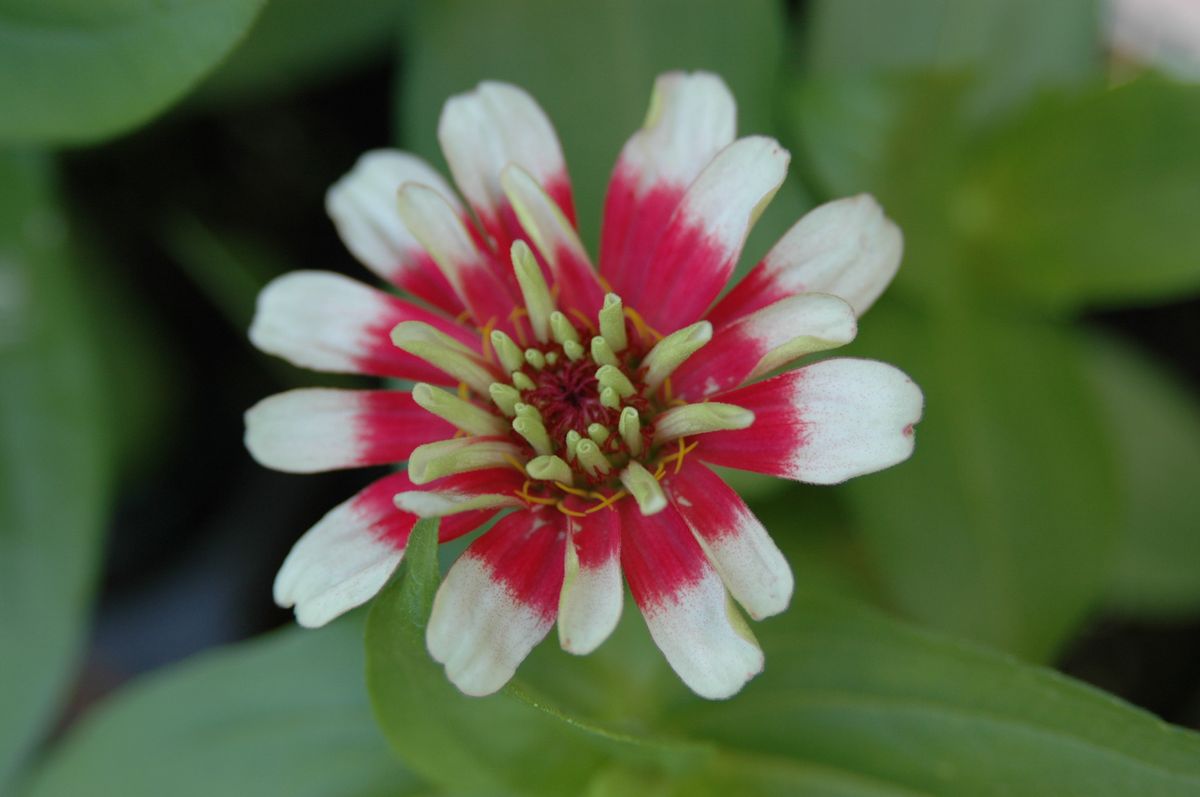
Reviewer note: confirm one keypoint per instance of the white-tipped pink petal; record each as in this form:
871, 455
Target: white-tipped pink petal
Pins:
363, 206
822, 424
484, 130
737, 544
685, 604
498, 600
764, 340
328, 322
347, 557
847, 248
317, 429
704, 237
590, 603
472, 272
554, 237
691, 118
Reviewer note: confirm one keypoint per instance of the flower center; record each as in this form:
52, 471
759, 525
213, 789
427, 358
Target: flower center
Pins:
582, 414
585, 412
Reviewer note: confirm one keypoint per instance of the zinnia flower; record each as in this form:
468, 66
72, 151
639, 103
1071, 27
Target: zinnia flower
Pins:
584, 407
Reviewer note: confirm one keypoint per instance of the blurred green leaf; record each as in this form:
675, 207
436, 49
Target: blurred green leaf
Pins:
1081, 200
1013, 47
283, 715
1092, 199
80, 70
592, 66
1000, 527
1156, 426
296, 43
518, 740
905, 139
815, 530
912, 712
54, 456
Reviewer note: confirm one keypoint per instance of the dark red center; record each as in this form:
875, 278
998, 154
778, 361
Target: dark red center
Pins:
568, 397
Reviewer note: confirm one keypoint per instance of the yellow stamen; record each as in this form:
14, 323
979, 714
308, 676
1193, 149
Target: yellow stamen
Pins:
607, 502
562, 507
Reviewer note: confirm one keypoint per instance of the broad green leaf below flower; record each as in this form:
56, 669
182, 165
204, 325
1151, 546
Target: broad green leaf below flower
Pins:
54, 456
282, 715
80, 70
517, 741
1156, 427
910, 712
852, 704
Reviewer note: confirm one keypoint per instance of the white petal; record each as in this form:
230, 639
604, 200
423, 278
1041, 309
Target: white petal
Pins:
305, 431
318, 320
858, 417
592, 593
328, 322
691, 118
847, 247
484, 130
342, 561
739, 547
498, 601
704, 638
363, 205
478, 631
317, 429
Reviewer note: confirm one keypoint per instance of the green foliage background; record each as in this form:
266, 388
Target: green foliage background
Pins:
1055, 474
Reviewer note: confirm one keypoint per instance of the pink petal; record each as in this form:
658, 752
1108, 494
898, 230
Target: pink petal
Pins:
476, 276
363, 206
328, 322
737, 544
348, 556
847, 248
703, 239
822, 424
764, 340
554, 238
498, 600
590, 603
691, 118
685, 605
317, 429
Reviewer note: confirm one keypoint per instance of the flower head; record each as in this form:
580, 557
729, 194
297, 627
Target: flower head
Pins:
583, 407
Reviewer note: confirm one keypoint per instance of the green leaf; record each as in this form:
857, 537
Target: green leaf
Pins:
1001, 526
1156, 425
296, 43
910, 712
816, 532
1013, 47
53, 457
1091, 199
283, 715
592, 66
518, 740
81, 70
